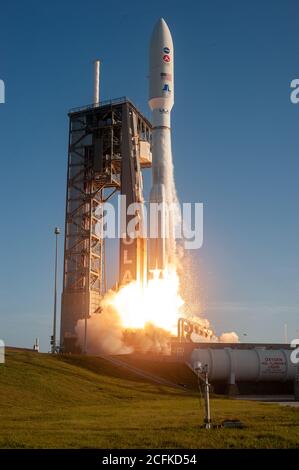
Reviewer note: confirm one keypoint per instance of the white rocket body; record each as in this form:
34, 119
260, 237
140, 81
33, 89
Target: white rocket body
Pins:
161, 99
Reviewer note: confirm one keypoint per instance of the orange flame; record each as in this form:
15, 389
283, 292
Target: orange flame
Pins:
158, 303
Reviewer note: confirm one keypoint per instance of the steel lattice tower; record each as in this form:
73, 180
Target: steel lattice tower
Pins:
105, 157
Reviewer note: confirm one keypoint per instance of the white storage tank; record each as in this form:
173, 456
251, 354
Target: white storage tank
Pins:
246, 365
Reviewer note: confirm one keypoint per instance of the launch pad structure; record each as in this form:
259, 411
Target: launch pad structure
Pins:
109, 145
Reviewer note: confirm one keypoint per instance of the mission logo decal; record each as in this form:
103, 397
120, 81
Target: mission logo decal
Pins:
166, 50
166, 58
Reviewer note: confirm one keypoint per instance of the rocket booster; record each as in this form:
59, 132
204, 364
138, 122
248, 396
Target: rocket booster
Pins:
161, 99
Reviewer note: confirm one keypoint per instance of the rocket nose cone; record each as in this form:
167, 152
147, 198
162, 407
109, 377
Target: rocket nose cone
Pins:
162, 23
161, 37
160, 29
161, 60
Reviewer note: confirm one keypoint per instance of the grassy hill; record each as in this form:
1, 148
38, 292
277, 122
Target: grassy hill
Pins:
84, 402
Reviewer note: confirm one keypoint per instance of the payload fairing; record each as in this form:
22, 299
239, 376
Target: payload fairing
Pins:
161, 100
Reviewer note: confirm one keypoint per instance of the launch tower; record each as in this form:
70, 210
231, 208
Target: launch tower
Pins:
109, 145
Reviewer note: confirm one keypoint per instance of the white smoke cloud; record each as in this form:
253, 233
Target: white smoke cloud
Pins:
149, 339
104, 333
231, 337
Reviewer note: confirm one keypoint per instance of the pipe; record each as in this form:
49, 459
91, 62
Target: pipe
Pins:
57, 232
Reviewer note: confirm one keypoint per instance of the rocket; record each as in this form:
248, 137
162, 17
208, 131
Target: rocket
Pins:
161, 100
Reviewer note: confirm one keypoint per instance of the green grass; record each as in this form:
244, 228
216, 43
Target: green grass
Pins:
75, 402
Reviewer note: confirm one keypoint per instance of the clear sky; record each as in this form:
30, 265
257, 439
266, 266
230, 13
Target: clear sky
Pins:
235, 145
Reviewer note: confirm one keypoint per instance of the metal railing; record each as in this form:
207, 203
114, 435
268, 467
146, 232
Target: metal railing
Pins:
122, 99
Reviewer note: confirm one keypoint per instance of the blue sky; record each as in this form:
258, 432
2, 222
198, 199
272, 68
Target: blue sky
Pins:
235, 145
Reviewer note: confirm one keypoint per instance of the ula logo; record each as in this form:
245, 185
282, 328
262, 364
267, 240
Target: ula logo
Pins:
166, 88
295, 353
2, 92
295, 93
